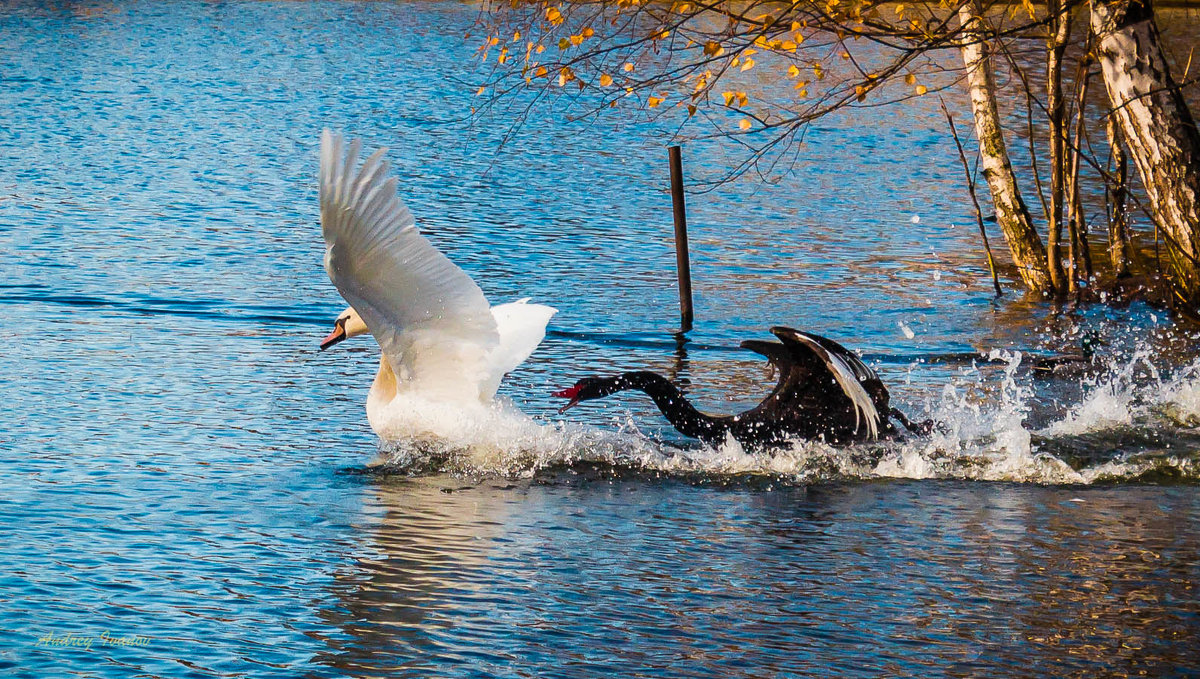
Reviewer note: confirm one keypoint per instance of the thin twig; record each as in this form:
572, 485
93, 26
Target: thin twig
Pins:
962, 156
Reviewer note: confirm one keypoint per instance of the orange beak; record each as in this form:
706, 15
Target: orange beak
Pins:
338, 334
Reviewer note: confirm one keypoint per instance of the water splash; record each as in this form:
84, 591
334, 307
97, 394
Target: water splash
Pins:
1134, 421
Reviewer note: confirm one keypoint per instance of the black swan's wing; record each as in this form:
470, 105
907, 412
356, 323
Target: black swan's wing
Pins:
793, 375
823, 356
866, 375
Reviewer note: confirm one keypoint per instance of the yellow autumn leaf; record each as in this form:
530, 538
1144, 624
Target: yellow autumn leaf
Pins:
540, 72
793, 71
712, 48
910, 79
748, 65
540, 49
803, 93
565, 76
516, 36
577, 40
605, 80
788, 45
653, 102
729, 97
745, 124
921, 89
587, 32
742, 99
553, 15
691, 110
563, 43
628, 67
481, 90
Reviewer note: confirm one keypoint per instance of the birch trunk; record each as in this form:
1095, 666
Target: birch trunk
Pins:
1159, 131
1011, 213
1055, 106
1120, 249
1080, 251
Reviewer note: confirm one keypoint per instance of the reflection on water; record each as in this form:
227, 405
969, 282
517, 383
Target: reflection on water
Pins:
854, 581
175, 451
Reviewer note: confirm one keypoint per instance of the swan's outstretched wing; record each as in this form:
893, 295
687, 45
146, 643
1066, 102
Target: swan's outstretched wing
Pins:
847, 369
522, 327
431, 320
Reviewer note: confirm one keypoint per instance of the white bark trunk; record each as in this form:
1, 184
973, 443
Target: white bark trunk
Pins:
1056, 107
1120, 249
1011, 214
1159, 130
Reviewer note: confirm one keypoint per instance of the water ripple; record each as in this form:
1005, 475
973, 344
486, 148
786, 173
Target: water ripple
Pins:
181, 467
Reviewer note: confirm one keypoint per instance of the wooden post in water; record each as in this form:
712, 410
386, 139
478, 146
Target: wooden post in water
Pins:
682, 263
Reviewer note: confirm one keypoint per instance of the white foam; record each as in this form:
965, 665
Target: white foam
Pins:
983, 435
1181, 398
1111, 399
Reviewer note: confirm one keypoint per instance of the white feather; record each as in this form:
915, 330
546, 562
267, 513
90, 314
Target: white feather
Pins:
522, 327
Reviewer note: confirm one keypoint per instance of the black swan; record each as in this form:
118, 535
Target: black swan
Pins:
824, 392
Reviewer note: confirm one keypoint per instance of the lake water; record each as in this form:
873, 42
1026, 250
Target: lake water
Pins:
182, 471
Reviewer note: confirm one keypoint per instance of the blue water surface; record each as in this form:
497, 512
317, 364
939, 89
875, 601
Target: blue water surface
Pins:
181, 470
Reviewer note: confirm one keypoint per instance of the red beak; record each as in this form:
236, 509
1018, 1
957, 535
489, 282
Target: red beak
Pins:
338, 334
571, 393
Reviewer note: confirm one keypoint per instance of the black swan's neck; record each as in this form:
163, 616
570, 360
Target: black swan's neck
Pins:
674, 405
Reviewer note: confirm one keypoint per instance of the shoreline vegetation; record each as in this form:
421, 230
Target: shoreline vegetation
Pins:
1101, 112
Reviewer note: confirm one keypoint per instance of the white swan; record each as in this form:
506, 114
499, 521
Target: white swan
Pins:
444, 351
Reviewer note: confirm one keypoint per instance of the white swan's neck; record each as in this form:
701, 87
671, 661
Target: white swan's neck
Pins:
383, 391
